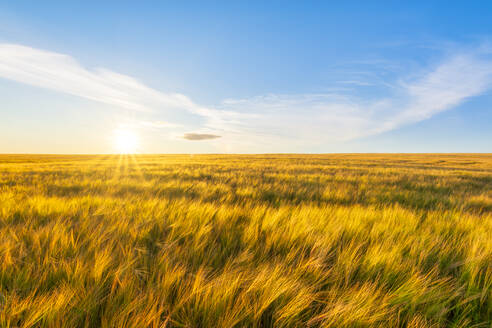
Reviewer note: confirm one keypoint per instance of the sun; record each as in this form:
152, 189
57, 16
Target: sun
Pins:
125, 141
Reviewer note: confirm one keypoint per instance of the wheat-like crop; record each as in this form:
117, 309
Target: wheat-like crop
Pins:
246, 241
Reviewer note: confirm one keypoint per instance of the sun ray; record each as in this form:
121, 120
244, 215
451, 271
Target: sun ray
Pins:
125, 165
117, 170
137, 166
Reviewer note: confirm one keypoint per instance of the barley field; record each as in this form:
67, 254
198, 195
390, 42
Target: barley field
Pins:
246, 240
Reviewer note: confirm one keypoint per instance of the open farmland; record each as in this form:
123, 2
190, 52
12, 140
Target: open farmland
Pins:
246, 241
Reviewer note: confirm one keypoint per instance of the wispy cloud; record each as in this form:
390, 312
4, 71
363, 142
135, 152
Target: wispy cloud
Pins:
271, 119
160, 124
356, 82
62, 73
315, 118
200, 136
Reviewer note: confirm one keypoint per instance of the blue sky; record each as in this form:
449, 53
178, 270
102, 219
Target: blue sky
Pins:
193, 77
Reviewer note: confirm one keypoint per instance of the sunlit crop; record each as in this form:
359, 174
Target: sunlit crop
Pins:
246, 241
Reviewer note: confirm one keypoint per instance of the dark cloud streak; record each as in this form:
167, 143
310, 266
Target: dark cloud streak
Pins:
200, 136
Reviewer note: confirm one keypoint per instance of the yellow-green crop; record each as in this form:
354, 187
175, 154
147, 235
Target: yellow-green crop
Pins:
246, 241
